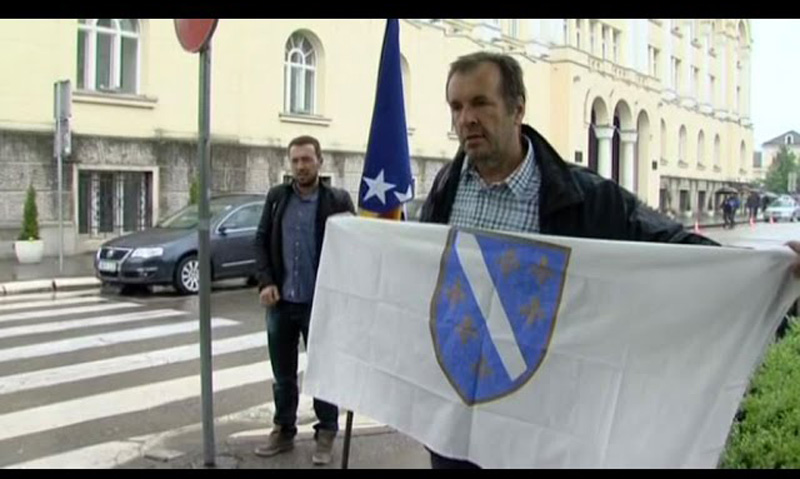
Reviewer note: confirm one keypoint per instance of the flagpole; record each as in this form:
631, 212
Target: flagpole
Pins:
348, 431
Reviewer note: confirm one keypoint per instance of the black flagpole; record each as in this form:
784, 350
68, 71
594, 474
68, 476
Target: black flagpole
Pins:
348, 431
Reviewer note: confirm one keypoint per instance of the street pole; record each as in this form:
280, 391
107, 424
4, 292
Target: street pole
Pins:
204, 258
59, 147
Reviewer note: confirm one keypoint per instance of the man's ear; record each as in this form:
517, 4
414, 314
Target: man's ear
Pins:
519, 114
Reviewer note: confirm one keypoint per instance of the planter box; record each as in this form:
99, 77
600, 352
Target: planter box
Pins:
29, 251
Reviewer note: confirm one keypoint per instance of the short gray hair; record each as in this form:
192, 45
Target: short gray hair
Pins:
513, 86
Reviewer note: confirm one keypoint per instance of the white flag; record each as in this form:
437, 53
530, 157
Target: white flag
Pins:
522, 350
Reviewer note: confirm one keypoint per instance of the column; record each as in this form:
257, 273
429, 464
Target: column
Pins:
604, 135
627, 159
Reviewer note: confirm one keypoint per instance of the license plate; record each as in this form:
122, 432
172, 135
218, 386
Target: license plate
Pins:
107, 266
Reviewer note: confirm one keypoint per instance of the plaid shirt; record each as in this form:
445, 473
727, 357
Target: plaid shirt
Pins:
511, 205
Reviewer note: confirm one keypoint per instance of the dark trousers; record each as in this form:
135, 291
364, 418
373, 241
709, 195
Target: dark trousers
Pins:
441, 462
286, 322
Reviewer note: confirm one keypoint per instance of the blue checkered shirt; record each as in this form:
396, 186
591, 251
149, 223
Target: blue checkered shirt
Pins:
511, 205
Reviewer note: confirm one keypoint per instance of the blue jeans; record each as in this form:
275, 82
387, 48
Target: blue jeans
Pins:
286, 322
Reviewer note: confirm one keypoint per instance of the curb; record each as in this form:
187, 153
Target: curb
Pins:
48, 285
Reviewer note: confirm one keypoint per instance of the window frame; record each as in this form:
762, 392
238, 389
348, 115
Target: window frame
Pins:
290, 48
91, 32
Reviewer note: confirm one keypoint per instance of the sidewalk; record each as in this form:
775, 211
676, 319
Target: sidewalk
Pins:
18, 278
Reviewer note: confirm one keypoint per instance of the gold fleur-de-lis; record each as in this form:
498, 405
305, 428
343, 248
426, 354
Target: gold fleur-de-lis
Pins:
455, 293
467, 330
481, 368
541, 271
509, 262
533, 312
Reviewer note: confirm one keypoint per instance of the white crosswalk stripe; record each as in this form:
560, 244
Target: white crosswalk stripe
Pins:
66, 311
17, 298
49, 303
124, 382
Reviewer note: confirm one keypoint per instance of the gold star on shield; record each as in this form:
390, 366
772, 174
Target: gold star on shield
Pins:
455, 293
533, 312
541, 271
509, 262
467, 330
481, 368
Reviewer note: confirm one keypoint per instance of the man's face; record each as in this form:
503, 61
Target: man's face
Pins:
486, 129
305, 164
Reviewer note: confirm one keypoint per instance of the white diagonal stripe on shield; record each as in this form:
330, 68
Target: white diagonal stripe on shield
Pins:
497, 323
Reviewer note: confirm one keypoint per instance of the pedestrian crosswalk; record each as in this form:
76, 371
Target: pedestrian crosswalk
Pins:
87, 366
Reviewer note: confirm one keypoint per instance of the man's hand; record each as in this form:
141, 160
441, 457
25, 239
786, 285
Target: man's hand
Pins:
795, 245
269, 296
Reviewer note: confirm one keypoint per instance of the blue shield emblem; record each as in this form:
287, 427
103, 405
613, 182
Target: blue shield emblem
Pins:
494, 310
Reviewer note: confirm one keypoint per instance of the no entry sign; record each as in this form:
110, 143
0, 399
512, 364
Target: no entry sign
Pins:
195, 33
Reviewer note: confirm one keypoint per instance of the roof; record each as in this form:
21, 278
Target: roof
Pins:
781, 139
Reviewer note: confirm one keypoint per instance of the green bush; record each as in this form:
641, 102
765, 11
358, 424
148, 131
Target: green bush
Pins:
193, 192
766, 434
30, 217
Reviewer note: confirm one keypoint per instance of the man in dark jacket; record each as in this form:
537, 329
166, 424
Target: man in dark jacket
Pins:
506, 176
288, 246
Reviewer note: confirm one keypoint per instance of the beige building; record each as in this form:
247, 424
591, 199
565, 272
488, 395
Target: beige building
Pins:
661, 106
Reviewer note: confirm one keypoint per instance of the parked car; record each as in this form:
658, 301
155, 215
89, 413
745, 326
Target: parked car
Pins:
784, 208
167, 253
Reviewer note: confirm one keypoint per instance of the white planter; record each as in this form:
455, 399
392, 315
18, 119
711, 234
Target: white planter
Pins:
29, 251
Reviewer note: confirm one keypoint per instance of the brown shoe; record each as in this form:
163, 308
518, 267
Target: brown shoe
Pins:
324, 451
278, 441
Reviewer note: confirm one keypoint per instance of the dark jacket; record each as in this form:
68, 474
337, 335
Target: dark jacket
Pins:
573, 201
269, 236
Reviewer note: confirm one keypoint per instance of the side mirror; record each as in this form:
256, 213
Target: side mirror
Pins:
223, 230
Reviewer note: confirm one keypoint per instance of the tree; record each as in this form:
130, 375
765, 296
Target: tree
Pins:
784, 163
193, 192
30, 217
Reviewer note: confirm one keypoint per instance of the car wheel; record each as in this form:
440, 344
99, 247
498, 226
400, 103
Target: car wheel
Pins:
187, 275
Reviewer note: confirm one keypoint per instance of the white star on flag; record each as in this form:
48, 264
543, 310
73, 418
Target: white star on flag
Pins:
403, 197
377, 187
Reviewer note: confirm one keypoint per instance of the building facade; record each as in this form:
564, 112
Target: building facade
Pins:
769, 149
659, 105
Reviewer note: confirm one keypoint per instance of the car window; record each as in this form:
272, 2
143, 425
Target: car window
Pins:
187, 218
246, 217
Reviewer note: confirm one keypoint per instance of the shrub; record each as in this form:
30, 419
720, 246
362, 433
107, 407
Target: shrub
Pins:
30, 217
766, 434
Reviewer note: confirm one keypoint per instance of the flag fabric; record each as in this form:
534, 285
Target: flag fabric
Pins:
386, 182
526, 350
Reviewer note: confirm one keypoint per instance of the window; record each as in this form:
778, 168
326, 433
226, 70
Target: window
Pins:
513, 28
245, 217
701, 200
114, 202
684, 199
603, 35
701, 148
682, 144
565, 27
716, 151
695, 81
711, 88
108, 55
578, 27
301, 75
663, 141
592, 36
789, 140
654, 58
615, 45
676, 73
738, 98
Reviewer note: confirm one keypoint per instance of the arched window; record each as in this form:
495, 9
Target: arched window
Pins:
682, 144
743, 156
301, 75
701, 148
663, 141
789, 140
108, 55
716, 151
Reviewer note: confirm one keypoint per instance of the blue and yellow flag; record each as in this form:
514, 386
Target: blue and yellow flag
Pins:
386, 183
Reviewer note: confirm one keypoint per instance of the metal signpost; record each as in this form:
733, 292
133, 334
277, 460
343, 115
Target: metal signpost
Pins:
62, 146
194, 36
